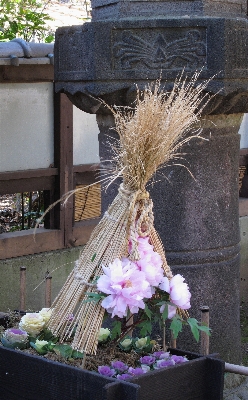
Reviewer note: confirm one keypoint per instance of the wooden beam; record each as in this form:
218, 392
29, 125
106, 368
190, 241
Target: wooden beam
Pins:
29, 173
22, 243
26, 185
85, 168
26, 73
85, 178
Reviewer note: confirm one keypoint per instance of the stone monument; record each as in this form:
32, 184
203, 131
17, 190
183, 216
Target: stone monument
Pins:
131, 43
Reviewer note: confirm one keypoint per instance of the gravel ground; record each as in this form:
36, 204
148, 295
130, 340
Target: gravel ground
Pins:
236, 387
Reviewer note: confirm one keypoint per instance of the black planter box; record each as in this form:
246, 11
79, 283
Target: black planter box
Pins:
27, 377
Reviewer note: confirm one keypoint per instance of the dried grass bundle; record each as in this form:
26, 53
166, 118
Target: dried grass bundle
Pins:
151, 135
152, 132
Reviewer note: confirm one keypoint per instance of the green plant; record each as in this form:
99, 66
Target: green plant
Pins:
24, 19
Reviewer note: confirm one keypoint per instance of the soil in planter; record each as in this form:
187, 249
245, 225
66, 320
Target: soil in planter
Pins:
105, 353
103, 357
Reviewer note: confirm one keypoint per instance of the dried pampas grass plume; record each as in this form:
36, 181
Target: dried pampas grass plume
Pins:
150, 137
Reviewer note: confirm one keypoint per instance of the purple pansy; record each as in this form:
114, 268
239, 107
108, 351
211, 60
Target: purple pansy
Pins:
148, 360
106, 371
164, 364
119, 365
164, 356
178, 359
17, 331
136, 371
157, 354
124, 377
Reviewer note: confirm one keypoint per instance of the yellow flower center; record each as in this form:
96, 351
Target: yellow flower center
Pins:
128, 284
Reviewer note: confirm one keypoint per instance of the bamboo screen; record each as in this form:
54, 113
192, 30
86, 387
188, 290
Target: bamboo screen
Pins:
88, 202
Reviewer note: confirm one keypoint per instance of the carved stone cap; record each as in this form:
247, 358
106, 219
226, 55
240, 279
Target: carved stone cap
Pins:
112, 9
109, 60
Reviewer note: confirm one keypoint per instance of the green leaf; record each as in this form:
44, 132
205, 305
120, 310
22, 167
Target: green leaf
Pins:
165, 313
205, 329
148, 312
50, 346
40, 350
116, 330
193, 323
47, 335
77, 354
176, 326
93, 297
93, 257
63, 350
146, 327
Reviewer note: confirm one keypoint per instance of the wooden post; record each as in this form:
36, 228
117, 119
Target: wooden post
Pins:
48, 291
173, 342
204, 337
63, 160
22, 288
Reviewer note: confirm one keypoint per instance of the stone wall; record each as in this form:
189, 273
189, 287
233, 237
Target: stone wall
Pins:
58, 263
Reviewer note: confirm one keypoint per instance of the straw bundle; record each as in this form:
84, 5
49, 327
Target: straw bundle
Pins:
150, 136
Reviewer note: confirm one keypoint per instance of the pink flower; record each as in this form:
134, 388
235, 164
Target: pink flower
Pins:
165, 284
126, 286
171, 311
150, 262
179, 292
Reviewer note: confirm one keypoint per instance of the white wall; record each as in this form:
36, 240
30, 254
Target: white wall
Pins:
243, 131
26, 126
85, 138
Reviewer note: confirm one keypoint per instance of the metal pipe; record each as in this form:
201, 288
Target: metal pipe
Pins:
236, 369
204, 337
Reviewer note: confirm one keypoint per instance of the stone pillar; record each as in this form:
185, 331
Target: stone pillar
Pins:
198, 219
133, 42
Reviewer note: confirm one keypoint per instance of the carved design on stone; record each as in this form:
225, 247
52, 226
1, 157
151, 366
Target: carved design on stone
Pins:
188, 52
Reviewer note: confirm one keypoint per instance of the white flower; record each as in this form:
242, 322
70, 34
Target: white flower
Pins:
126, 343
45, 313
142, 342
32, 323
